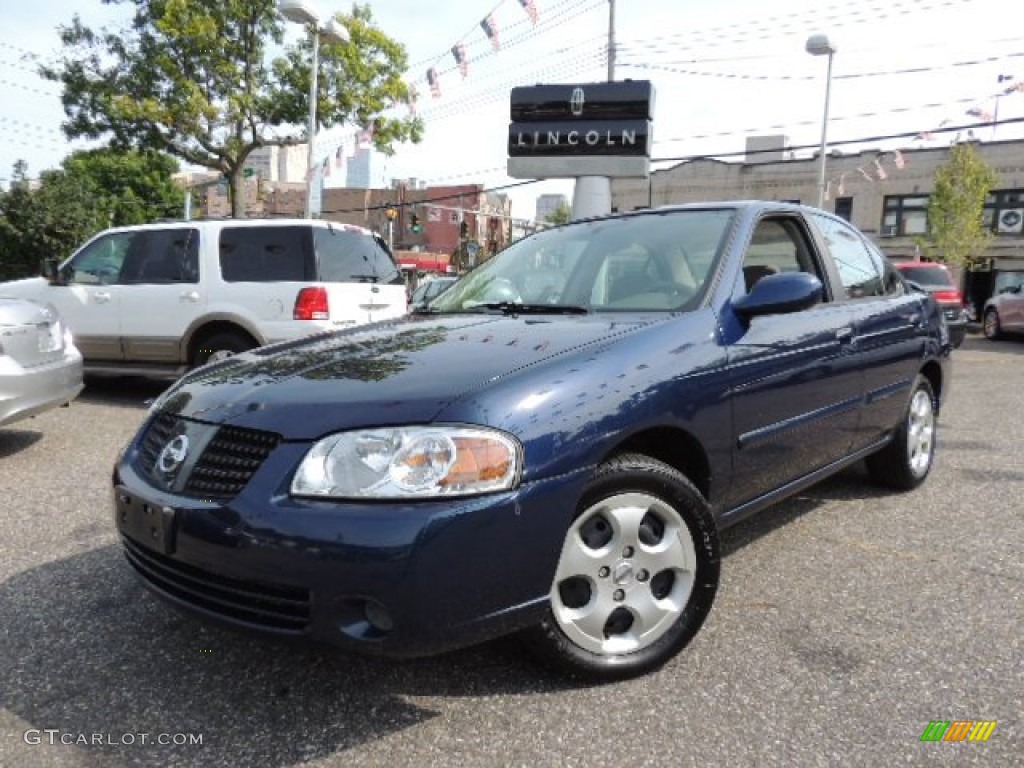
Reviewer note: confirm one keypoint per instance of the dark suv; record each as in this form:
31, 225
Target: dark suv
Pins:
937, 280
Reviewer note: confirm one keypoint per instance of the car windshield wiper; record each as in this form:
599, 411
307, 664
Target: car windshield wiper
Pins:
517, 308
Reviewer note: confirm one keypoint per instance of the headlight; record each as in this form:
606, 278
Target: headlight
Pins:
405, 462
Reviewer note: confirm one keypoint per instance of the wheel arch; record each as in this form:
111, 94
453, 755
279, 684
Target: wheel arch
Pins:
209, 326
675, 447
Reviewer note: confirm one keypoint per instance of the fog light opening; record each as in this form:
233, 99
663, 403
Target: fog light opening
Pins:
378, 617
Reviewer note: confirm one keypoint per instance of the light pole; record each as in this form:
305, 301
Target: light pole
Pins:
820, 45
303, 12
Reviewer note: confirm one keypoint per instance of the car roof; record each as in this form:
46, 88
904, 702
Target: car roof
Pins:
252, 222
744, 206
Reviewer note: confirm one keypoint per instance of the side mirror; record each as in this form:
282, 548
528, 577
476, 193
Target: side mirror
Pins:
779, 294
50, 269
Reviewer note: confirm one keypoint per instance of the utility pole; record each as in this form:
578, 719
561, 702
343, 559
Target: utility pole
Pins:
592, 195
611, 41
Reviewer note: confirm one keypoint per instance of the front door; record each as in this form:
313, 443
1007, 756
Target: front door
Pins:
88, 296
794, 381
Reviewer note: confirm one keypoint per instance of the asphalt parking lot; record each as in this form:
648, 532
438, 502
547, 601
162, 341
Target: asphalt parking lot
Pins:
847, 620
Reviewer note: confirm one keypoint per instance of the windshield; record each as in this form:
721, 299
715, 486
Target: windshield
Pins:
928, 276
652, 262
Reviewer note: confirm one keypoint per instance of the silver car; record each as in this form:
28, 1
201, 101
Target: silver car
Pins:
1004, 312
40, 367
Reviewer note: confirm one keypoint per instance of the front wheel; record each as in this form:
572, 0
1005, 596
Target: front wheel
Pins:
906, 461
991, 326
636, 577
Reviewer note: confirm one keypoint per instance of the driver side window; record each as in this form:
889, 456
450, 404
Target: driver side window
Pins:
774, 247
101, 261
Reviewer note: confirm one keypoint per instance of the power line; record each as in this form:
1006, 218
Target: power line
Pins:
848, 76
712, 156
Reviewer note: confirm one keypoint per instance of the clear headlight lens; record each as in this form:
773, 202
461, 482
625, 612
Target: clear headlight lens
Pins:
404, 462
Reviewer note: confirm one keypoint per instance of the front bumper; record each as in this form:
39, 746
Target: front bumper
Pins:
401, 579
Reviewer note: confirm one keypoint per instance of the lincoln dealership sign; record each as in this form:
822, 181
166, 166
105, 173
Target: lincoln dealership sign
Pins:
590, 129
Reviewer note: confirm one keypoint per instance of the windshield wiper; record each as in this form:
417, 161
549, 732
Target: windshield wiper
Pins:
517, 308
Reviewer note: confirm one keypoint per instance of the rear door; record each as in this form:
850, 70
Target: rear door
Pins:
161, 293
363, 282
795, 383
890, 326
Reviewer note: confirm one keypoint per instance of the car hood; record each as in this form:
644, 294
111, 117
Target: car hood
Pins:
399, 372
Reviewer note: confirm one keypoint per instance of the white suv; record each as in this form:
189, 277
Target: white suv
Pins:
160, 298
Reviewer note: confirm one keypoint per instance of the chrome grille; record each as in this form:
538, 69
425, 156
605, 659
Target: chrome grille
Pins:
228, 456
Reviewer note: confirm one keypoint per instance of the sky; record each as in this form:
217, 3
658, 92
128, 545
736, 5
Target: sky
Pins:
721, 71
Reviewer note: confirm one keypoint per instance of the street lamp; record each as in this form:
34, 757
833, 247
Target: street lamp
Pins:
303, 12
820, 45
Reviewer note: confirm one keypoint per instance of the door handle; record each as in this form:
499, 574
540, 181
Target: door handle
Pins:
101, 297
844, 335
192, 296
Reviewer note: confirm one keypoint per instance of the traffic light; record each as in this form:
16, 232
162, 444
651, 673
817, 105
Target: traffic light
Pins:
414, 223
464, 229
391, 213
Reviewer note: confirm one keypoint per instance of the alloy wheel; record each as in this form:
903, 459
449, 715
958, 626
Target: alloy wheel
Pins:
920, 432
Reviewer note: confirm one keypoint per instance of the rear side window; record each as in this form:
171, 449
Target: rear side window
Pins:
346, 256
861, 271
266, 254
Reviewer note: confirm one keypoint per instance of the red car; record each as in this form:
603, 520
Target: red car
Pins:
938, 281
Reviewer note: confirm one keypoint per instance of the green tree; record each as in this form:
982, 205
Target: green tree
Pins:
956, 233
45, 219
195, 79
560, 215
134, 187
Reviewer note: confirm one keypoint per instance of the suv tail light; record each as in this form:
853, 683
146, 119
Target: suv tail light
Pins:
950, 296
311, 304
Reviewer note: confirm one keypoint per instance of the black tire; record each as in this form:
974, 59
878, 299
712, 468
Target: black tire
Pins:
220, 345
991, 326
626, 567
905, 462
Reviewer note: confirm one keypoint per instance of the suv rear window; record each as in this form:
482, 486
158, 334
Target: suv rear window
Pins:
929, 276
266, 254
345, 256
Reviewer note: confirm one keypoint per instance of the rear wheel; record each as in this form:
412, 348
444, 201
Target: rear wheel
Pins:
636, 577
991, 326
220, 346
906, 461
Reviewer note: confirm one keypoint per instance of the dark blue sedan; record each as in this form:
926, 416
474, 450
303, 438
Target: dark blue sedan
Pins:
550, 447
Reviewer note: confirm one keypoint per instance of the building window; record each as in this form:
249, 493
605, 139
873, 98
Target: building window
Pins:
844, 208
905, 215
1004, 212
